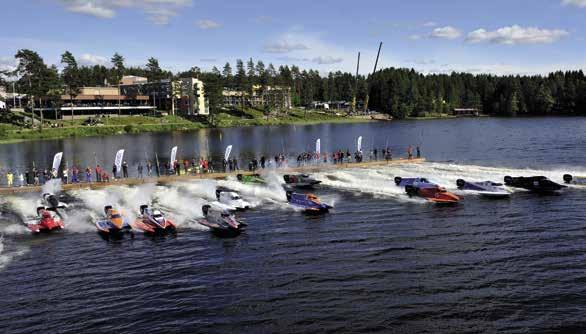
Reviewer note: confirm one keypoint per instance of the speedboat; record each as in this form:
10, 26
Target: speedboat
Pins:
308, 202
153, 221
51, 202
114, 224
577, 180
405, 181
300, 181
252, 178
432, 192
538, 184
221, 222
47, 221
231, 199
485, 188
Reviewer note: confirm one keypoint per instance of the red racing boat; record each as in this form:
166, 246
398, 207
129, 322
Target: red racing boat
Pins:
48, 221
153, 221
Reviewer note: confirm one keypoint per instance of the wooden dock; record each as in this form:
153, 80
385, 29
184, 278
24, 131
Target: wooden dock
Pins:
162, 180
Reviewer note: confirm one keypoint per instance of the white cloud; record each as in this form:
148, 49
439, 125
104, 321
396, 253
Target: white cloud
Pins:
577, 3
447, 32
208, 24
8, 64
87, 59
284, 46
158, 11
429, 24
414, 37
517, 35
327, 60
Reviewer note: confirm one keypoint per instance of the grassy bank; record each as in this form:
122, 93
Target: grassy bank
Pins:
253, 117
138, 124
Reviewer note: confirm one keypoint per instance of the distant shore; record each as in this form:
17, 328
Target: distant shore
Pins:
108, 126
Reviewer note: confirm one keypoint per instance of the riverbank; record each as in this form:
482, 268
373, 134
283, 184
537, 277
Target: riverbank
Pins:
68, 128
162, 180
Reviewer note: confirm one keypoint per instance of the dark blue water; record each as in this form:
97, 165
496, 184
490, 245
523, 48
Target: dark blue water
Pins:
378, 263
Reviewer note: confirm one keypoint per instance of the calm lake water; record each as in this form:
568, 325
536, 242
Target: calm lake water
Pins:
379, 262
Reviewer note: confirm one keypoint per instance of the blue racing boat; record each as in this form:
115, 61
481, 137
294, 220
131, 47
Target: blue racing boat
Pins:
308, 202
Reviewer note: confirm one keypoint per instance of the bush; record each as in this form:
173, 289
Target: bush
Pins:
128, 128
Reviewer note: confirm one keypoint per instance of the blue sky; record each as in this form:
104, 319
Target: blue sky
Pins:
497, 36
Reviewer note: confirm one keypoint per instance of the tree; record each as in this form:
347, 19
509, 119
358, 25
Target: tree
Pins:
36, 79
227, 75
241, 80
154, 72
117, 66
71, 77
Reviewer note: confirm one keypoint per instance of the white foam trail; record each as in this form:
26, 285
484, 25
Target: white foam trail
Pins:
381, 181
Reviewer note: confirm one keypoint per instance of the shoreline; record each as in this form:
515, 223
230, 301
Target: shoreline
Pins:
168, 179
48, 133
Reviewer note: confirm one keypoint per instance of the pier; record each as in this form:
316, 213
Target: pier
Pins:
168, 179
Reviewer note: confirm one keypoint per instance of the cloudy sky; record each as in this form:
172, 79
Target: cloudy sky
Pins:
496, 36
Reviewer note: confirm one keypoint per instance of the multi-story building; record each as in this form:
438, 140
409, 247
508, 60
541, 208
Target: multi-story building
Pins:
185, 96
276, 97
93, 101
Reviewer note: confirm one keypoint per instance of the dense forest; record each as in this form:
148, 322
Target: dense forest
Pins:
396, 91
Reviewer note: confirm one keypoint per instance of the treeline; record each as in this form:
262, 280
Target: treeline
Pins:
399, 92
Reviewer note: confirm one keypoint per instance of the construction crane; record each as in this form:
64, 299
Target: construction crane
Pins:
356, 85
373, 71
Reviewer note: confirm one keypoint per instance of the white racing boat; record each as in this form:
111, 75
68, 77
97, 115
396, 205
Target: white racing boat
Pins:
231, 200
484, 188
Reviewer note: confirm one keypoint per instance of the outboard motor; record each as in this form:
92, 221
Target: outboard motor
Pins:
398, 180
568, 178
239, 177
460, 183
107, 208
287, 178
218, 192
288, 194
143, 209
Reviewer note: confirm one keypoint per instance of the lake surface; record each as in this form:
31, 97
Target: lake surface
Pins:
379, 262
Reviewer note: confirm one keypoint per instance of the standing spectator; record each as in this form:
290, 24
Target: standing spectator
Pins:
74, 176
9, 178
98, 173
139, 170
418, 149
125, 169
235, 163
27, 175
114, 172
409, 152
149, 167
21, 179
65, 175
88, 174
262, 162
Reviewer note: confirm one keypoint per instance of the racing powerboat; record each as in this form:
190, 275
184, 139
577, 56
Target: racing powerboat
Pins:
47, 221
538, 184
252, 178
576, 180
485, 188
231, 199
303, 181
114, 224
308, 202
153, 221
421, 187
221, 222
51, 202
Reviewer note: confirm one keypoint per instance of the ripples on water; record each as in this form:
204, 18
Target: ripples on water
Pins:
380, 262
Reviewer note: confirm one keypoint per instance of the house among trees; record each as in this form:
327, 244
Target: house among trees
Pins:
465, 112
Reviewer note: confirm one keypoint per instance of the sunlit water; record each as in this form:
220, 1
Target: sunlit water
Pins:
379, 262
